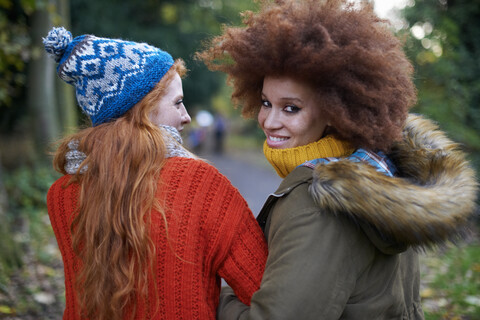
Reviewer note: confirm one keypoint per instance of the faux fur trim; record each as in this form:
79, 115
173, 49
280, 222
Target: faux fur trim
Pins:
429, 203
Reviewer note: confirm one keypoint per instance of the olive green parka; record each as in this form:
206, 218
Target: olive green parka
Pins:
343, 238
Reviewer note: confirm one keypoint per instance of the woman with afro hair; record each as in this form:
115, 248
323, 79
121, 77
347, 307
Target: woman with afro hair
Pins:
366, 184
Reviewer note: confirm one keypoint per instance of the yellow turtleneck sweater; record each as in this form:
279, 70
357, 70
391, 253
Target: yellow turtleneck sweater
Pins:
285, 160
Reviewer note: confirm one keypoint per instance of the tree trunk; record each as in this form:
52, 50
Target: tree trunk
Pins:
41, 98
3, 196
66, 103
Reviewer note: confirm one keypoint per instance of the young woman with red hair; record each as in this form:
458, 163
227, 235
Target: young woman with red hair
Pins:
145, 228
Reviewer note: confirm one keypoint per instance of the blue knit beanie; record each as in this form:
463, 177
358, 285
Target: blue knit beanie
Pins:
110, 75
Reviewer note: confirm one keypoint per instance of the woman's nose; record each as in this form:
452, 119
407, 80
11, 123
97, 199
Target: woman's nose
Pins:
271, 120
185, 116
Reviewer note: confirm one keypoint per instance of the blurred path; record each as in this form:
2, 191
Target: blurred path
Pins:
250, 174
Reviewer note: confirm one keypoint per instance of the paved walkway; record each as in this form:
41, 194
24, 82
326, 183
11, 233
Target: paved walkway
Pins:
250, 174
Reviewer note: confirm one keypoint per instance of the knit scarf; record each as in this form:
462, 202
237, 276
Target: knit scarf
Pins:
173, 143
285, 160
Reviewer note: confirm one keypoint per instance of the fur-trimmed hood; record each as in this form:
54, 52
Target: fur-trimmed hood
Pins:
429, 201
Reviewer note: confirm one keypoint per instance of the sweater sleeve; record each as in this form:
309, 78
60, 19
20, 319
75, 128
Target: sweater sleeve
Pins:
310, 272
244, 264
241, 250
62, 202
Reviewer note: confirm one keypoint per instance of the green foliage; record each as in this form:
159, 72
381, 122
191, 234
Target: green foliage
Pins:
10, 259
447, 68
453, 288
27, 188
27, 245
14, 53
27, 220
179, 27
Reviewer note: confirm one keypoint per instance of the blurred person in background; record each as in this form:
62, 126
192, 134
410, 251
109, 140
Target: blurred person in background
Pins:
219, 131
366, 184
145, 228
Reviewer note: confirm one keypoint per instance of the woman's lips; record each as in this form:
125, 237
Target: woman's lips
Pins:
276, 141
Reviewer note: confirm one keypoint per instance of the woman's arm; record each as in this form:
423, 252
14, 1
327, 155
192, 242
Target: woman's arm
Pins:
314, 259
244, 265
239, 248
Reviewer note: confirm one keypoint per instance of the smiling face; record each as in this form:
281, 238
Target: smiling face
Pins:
170, 110
289, 115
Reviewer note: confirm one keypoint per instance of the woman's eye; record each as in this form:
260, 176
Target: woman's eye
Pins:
291, 109
178, 103
266, 103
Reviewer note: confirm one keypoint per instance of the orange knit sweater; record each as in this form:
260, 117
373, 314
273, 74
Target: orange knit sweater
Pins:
210, 228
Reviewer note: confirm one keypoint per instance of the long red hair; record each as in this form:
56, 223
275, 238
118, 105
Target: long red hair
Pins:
110, 231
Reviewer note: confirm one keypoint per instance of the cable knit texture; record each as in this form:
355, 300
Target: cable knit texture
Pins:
285, 160
173, 142
211, 234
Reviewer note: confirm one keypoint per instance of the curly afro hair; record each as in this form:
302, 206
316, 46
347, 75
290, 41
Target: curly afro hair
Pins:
351, 58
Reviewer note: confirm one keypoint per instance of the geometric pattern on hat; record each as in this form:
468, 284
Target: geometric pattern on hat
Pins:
110, 75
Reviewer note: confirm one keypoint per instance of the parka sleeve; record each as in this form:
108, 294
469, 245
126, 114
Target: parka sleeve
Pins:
314, 259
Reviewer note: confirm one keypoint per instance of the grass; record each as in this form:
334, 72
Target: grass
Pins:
31, 271
451, 283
